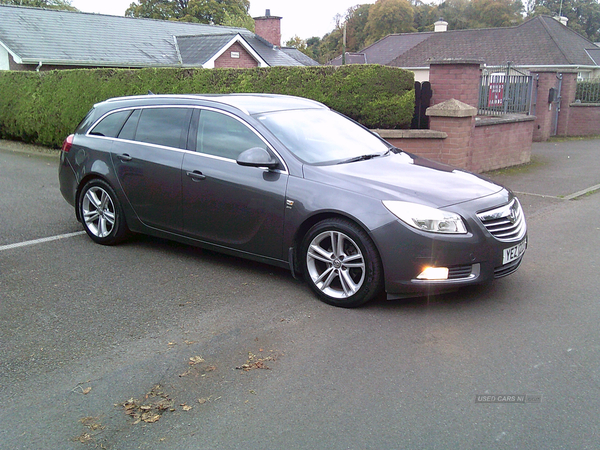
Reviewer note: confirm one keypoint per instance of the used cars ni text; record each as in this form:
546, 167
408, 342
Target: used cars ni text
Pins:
289, 182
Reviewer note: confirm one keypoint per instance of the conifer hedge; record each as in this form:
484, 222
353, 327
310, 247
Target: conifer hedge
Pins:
43, 108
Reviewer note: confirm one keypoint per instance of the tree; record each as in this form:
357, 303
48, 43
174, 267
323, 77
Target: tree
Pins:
313, 47
424, 16
495, 13
214, 12
389, 17
48, 4
469, 14
356, 22
297, 43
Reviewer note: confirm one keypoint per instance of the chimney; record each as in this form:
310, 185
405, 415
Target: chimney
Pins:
268, 27
440, 25
562, 19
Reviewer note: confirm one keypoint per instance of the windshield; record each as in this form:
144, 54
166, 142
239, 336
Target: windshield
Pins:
321, 136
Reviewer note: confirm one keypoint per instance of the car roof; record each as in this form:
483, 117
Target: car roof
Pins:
248, 103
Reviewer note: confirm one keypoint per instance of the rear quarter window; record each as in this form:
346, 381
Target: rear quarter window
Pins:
111, 125
86, 122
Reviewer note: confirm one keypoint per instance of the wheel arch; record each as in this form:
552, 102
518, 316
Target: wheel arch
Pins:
88, 177
309, 222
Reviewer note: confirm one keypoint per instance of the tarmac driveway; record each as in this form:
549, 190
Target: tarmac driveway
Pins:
156, 345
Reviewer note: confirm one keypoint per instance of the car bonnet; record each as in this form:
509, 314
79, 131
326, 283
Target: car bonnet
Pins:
404, 177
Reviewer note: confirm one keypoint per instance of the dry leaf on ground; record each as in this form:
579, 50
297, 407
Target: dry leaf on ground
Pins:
150, 410
196, 360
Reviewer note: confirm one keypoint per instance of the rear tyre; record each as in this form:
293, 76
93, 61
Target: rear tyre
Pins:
101, 213
341, 264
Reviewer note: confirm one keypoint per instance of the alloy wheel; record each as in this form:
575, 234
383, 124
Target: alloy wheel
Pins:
98, 212
335, 264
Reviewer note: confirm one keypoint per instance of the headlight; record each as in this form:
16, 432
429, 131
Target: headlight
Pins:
426, 218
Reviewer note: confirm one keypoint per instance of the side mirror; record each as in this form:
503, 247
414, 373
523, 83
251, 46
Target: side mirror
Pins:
257, 157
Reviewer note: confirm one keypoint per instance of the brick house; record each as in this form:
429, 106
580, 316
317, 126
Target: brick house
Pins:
44, 39
540, 43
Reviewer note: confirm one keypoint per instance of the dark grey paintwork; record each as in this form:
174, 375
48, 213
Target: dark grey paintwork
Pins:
263, 214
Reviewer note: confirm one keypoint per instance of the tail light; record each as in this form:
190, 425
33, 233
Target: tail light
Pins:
68, 143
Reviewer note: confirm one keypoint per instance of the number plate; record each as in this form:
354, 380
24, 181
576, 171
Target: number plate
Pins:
515, 252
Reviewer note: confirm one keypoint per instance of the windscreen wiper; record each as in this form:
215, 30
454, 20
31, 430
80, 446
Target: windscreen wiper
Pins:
363, 157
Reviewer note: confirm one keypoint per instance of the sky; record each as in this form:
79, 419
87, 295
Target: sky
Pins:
303, 18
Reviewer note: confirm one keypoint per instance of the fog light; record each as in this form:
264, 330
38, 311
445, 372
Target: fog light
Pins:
434, 273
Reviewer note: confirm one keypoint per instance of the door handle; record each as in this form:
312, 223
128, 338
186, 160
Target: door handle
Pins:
196, 175
125, 157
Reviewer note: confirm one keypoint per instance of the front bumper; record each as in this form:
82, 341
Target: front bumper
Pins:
473, 258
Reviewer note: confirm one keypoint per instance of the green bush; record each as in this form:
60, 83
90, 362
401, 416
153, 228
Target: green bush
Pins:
43, 108
588, 91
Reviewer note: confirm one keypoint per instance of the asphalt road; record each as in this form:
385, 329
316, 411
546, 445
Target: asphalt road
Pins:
89, 333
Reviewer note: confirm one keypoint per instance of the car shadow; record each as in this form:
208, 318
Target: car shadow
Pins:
498, 292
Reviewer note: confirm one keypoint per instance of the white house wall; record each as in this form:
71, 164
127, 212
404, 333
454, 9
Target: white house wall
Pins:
421, 75
4, 59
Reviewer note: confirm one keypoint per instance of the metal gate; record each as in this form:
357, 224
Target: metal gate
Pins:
505, 90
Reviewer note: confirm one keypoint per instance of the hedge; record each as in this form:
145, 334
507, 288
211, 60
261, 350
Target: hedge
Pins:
588, 91
44, 107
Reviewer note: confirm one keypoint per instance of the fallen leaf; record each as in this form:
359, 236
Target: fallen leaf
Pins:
186, 408
93, 423
85, 437
150, 417
196, 360
87, 390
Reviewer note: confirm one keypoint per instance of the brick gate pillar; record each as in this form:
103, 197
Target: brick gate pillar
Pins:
567, 96
457, 120
458, 79
544, 111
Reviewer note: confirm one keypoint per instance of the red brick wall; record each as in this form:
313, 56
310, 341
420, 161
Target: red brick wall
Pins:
428, 148
245, 61
458, 80
584, 119
574, 119
499, 145
269, 28
472, 145
476, 145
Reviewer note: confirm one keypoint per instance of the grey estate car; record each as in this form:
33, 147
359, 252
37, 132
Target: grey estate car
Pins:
289, 182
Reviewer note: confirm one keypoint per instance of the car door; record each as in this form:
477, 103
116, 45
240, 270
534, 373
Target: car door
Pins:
228, 204
147, 159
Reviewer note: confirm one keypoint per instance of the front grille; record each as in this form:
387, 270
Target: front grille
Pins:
458, 272
507, 269
506, 223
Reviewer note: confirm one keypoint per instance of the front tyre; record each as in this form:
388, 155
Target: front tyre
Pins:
101, 213
341, 264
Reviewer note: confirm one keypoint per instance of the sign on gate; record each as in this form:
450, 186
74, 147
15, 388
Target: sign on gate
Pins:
496, 95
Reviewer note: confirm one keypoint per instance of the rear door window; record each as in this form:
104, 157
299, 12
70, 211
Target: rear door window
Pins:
160, 126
